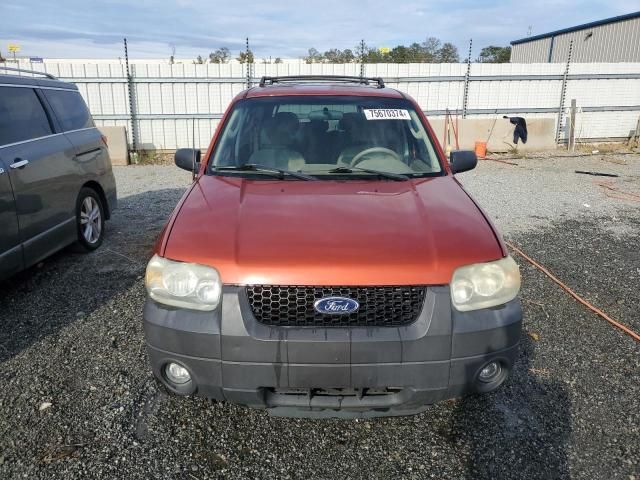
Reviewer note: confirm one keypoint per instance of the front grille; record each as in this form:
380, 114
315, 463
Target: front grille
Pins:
292, 306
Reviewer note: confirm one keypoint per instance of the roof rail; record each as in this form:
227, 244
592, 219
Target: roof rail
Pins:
24, 70
264, 81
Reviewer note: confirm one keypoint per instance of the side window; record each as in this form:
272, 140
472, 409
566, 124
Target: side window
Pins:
22, 116
70, 109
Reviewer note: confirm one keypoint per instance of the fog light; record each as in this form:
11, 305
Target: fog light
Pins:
490, 372
177, 373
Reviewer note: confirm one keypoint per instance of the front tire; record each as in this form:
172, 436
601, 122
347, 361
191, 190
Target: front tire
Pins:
89, 219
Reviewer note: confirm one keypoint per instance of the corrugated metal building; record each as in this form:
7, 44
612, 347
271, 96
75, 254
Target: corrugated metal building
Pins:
614, 39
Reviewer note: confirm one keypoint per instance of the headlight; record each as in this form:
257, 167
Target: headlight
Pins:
485, 285
185, 285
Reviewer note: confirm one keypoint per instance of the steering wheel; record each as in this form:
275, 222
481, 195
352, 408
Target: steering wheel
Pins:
359, 158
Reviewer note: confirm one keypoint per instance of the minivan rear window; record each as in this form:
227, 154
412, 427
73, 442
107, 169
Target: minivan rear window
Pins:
22, 116
70, 109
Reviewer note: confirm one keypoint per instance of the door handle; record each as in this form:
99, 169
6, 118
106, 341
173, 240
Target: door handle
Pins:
19, 164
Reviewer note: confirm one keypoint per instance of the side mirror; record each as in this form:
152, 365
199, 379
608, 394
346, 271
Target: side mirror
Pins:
184, 159
463, 160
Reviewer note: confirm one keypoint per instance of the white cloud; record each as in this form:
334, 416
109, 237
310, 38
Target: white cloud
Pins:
278, 27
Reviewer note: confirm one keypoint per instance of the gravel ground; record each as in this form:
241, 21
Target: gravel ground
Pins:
78, 400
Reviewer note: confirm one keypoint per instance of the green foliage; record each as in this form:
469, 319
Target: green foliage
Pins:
348, 56
430, 51
431, 47
245, 57
330, 56
221, 55
373, 55
448, 54
278, 60
493, 54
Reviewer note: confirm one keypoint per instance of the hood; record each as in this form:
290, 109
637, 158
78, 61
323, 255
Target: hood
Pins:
331, 232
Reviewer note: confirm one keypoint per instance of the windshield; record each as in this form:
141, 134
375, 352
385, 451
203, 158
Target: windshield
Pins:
325, 137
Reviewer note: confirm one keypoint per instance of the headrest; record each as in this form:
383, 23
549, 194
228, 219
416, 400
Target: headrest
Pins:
280, 129
288, 120
349, 121
319, 126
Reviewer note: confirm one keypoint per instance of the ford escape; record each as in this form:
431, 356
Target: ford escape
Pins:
326, 261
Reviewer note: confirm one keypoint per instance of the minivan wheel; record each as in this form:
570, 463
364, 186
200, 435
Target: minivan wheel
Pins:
89, 219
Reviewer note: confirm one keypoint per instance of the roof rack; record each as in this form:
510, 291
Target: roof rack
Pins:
264, 81
24, 70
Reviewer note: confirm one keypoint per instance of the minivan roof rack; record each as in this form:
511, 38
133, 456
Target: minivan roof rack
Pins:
24, 70
264, 81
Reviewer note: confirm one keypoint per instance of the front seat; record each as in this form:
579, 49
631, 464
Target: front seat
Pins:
276, 138
315, 142
358, 137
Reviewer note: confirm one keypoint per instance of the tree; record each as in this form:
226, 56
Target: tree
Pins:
333, 56
365, 54
374, 55
448, 54
348, 56
278, 60
400, 54
199, 59
431, 48
361, 52
245, 57
493, 54
429, 51
313, 56
221, 55
417, 53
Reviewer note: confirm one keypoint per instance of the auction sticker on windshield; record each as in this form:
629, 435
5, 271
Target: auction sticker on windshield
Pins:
386, 114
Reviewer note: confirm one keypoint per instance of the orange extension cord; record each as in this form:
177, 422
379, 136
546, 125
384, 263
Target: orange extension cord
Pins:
614, 192
596, 310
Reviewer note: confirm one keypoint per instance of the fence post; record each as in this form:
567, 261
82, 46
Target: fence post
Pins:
467, 79
563, 93
248, 63
572, 126
362, 46
132, 107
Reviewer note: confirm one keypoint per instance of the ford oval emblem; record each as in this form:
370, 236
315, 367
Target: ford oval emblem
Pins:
336, 305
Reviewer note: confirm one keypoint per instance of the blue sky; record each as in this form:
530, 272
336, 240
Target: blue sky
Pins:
87, 28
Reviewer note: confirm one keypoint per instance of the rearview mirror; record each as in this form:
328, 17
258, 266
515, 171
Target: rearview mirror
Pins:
463, 160
184, 159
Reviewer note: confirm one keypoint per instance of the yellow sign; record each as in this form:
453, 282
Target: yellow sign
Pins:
13, 48
384, 49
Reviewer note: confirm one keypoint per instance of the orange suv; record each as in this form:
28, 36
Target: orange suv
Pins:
327, 262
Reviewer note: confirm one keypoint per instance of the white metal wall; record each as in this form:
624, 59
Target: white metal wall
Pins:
611, 42
170, 101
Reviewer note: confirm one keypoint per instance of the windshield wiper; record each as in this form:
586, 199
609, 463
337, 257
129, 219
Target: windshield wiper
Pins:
254, 167
393, 176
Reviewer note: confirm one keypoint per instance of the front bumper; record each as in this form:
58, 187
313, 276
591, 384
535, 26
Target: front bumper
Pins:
346, 372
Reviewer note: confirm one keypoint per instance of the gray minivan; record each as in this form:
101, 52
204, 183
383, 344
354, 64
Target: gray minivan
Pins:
56, 182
